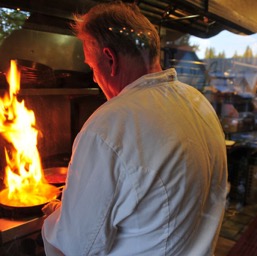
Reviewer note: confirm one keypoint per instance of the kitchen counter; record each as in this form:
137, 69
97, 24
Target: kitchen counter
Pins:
14, 229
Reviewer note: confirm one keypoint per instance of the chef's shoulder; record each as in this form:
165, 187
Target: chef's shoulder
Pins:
107, 115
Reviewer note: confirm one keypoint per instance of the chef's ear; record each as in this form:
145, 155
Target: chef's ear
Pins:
112, 59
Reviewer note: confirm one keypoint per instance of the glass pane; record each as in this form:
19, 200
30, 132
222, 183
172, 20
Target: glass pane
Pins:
224, 69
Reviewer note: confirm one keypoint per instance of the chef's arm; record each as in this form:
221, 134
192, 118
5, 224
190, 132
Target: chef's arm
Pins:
51, 207
48, 247
83, 224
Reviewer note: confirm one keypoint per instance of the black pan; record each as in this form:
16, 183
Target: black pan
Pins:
20, 213
23, 212
55, 176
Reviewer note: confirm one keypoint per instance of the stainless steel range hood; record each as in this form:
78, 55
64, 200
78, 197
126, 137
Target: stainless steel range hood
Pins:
202, 18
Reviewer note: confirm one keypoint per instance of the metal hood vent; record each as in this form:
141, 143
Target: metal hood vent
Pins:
202, 18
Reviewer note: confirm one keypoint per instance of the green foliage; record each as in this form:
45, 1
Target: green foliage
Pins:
10, 20
222, 55
248, 54
210, 53
236, 55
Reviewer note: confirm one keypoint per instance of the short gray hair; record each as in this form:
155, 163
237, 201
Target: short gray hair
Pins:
121, 27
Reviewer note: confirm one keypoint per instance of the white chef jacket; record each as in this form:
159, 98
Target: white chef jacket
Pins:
147, 176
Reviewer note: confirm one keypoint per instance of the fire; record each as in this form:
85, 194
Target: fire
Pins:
24, 177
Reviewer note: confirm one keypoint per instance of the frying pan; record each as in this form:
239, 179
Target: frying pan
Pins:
55, 176
22, 212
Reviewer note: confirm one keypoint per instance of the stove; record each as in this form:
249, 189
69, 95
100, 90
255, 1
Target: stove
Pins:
21, 237
13, 229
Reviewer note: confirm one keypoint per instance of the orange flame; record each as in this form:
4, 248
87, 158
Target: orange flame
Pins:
24, 178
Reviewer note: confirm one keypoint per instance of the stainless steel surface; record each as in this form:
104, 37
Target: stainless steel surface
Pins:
14, 229
54, 50
69, 92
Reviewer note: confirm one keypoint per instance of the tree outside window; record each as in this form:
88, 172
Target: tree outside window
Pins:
11, 20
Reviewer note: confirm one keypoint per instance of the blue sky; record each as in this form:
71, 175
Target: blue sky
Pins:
227, 42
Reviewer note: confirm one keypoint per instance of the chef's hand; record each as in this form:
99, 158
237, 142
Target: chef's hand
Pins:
51, 207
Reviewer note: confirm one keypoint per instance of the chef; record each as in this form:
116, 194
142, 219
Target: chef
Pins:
148, 171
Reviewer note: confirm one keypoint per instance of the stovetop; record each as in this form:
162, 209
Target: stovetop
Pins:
12, 226
11, 229
16, 223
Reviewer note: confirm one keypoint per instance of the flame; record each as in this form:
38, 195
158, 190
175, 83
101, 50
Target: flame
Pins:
24, 177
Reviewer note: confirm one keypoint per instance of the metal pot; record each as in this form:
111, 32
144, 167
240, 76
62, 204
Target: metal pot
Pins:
56, 175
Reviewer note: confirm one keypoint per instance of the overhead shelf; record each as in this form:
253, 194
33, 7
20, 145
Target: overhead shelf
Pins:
58, 91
